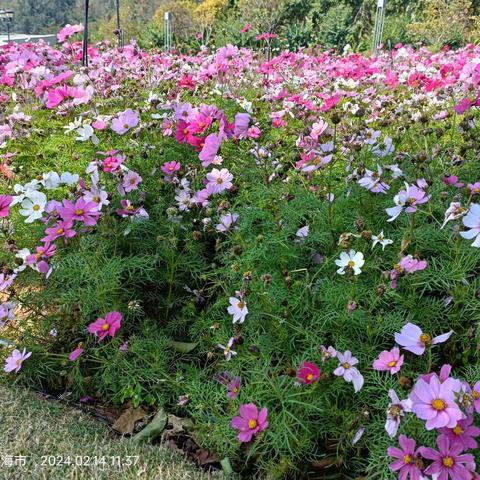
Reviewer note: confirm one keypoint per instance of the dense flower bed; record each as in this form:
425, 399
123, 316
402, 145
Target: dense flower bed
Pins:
284, 250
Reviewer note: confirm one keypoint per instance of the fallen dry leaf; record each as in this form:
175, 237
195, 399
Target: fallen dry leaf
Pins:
125, 423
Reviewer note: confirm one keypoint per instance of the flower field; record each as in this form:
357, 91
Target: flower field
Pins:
284, 249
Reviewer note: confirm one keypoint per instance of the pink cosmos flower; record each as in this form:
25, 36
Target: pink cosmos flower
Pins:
412, 338
448, 462
318, 128
61, 229
390, 361
5, 201
241, 122
372, 181
75, 354
463, 432
112, 163
14, 362
245, 28
7, 313
226, 222
407, 464
434, 402
327, 352
452, 180
308, 373
68, 30
124, 121
395, 411
406, 265
347, 370
474, 188
476, 396
131, 181
170, 167
81, 211
43, 253
250, 422
109, 325
407, 200
6, 280
219, 180
233, 387
210, 149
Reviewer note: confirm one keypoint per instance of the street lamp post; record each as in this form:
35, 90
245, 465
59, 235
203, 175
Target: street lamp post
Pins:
167, 30
119, 30
379, 23
6, 16
85, 37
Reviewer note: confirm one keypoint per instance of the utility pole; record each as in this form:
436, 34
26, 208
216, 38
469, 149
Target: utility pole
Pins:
119, 29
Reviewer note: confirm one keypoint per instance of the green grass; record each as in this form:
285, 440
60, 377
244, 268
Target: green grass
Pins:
46, 433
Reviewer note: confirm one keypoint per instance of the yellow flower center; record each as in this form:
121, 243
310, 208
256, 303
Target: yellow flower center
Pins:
475, 395
241, 305
425, 338
448, 462
351, 263
219, 180
130, 208
235, 389
105, 327
309, 377
439, 404
252, 424
59, 231
227, 349
96, 199
36, 208
126, 126
185, 131
79, 211
346, 365
18, 362
392, 363
394, 411
407, 459
457, 430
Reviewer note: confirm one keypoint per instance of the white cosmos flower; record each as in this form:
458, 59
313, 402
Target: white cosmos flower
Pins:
238, 309
86, 133
352, 260
77, 123
33, 206
23, 191
68, 178
381, 240
51, 180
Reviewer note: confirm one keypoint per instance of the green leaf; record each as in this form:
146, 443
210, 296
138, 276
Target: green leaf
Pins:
182, 347
153, 429
226, 466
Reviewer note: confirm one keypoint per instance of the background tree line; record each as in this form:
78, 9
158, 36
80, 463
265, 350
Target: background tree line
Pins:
299, 23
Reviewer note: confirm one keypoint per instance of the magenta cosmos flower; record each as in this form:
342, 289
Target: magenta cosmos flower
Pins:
14, 362
448, 462
170, 168
434, 402
390, 361
250, 422
408, 462
125, 121
412, 338
233, 387
308, 373
463, 432
5, 201
76, 353
81, 210
219, 180
61, 229
109, 325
